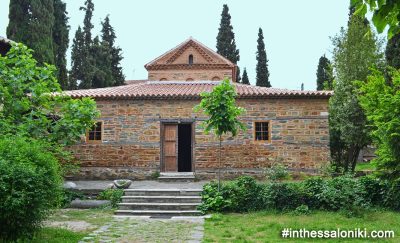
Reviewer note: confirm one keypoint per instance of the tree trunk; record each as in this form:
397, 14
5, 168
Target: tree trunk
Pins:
219, 163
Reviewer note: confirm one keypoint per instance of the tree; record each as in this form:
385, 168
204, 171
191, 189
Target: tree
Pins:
324, 74
219, 105
77, 60
108, 36
226, 44
31, 23
61, 41
238, 77
37, 121
355, 50
381, 102
262, 78
385, 13
29, 107
102, 72
392, 52
245, 78
87, 61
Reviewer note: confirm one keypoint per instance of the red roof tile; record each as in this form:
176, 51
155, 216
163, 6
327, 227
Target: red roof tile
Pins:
187, 90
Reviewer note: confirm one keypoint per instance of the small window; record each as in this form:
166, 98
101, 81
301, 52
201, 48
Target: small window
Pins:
261, 131
95, 133
163, 79
190, 59
189, 79
216, 78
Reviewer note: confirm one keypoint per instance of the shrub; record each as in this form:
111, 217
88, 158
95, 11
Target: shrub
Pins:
212, 199
68, 195
374, 189
302, 210
283, 196
30, 186
277, 171
114, 195
343, 192
392, 195
312, 188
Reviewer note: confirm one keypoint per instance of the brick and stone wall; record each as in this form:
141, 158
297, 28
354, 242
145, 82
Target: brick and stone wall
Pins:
191, 74
131, 138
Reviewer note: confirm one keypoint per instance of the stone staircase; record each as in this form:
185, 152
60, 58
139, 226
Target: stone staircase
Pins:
160, 202
176, 177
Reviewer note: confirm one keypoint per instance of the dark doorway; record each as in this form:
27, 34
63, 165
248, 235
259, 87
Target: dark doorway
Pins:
184, 147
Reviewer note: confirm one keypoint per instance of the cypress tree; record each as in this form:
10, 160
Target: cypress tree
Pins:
31, 23
108, 37
324, 74
101, 54
88, 59
77, 60
262, 62
61, 39
226, 44
245, 78
392, 52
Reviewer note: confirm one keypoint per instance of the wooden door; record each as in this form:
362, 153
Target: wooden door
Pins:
170, 148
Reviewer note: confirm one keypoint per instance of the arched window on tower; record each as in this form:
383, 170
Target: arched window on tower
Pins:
190, 59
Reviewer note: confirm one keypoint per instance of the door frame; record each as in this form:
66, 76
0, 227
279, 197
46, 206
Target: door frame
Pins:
193, 143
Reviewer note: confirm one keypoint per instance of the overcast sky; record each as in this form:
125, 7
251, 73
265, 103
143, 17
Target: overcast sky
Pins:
296, 32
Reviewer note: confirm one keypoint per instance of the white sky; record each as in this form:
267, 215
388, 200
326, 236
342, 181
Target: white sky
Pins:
296, 33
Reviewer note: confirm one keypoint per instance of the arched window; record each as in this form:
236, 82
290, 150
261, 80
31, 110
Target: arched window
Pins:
189, 79
216, 78
163, 79
190, 59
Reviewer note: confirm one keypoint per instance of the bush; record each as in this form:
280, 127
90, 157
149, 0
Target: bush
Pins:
283, 196
114, 195
68, 195
277, 172
213, 200
302, 210
392, 195
30, 186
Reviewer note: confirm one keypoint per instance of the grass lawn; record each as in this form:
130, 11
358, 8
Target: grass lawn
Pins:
364, 166
60, 233
267, 226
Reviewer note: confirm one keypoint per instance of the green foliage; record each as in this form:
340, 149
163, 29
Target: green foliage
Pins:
114, 195
28, 106
31, 23
354, 53
343, 193
392, 52
77, 71
262, 73
30, 186
324, 74
245, 78
380, 101
220, 106
302, 210
155, 175
385, 13
61, 42
278, 171
69, 195
226, 44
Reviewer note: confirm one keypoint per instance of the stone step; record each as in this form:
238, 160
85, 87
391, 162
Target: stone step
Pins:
176, 177
159, 206
168, 213
162, 192
161, 199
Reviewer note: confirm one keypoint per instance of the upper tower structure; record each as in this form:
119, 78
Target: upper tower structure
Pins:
190, 61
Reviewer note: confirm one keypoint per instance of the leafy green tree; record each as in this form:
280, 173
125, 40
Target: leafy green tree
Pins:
108, 36
31, 23
392, 52
29, 107
77, 60
356, 49
61, 40
219, 105
324, 74
385, 13
381, 102
226, 44
245, 78
262, 78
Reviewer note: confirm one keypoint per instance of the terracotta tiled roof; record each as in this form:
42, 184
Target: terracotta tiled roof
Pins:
187, 90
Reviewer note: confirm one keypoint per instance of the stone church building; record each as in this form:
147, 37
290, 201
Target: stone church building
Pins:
149, 126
